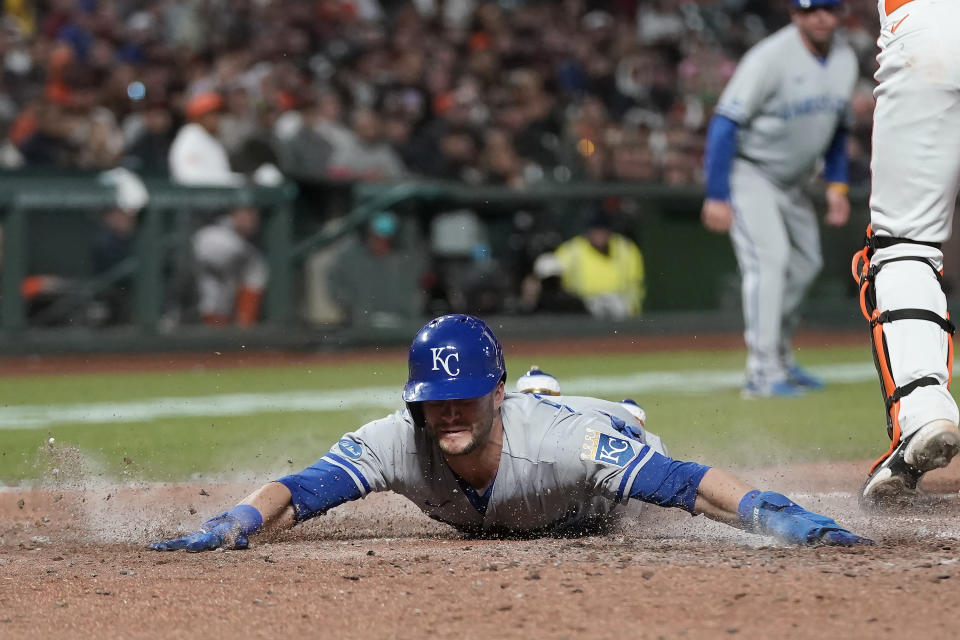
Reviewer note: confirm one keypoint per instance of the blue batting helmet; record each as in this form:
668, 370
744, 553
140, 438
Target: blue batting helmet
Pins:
454, 357
813, 4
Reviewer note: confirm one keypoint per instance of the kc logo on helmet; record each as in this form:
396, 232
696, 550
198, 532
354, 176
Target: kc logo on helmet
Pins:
443, 360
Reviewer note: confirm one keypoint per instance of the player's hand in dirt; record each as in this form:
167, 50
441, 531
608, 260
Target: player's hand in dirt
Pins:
717, 215
777, 515
843, 538
838, 207
223, 530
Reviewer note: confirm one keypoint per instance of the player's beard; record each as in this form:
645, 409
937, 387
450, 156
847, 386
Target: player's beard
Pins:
468, 438
821, 40
818, 31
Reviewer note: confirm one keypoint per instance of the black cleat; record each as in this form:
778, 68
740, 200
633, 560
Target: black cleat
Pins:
893, 482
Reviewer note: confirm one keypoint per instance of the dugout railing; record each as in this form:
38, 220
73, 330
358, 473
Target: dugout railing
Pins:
163, 226
688, 268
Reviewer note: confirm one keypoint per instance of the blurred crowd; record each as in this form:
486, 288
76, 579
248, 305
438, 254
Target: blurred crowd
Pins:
507, 92
494, 92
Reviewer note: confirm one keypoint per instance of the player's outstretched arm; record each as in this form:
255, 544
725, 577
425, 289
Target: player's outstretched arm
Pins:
719, 495
267, 507
724, 497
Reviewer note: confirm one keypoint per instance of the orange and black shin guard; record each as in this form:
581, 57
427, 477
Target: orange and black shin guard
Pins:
862, 275
881, 359
865, 273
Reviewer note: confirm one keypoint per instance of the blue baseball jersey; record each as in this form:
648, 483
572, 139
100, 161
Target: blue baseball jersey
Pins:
567, 465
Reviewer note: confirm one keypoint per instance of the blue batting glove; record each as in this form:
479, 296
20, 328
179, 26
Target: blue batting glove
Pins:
777, 515
205, 540
228, 530
843, 538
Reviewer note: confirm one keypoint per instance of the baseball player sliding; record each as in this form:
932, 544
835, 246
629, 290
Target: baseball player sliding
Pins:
916, 173
785, 108
492, 463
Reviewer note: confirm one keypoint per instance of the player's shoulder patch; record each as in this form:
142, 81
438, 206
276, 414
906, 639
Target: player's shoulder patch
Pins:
602, 447
350, 448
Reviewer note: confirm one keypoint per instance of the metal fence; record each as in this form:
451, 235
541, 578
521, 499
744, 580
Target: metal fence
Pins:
162, 228
688, 268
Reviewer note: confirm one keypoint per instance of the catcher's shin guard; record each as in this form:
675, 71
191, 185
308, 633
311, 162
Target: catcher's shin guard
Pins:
892, 388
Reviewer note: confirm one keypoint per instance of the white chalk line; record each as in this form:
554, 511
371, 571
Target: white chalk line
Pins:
691, 381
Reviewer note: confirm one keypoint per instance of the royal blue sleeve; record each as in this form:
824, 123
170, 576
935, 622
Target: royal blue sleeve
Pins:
836, 163
324, 485
718, 157
667, 482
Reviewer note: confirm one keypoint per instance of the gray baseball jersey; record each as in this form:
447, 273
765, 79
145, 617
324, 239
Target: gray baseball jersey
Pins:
567, 463
788, 103
584, 404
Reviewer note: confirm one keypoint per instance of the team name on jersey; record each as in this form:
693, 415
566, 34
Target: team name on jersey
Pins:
606, 449
815, 104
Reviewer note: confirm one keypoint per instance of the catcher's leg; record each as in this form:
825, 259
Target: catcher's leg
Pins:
915, 165
913, 350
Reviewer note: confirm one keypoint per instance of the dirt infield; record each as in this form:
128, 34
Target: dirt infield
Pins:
73, 563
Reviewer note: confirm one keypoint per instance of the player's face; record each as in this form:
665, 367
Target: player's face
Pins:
817, 25
461, 427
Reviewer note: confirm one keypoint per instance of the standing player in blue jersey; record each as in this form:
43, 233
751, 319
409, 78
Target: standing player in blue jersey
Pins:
491, 463
785, 108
